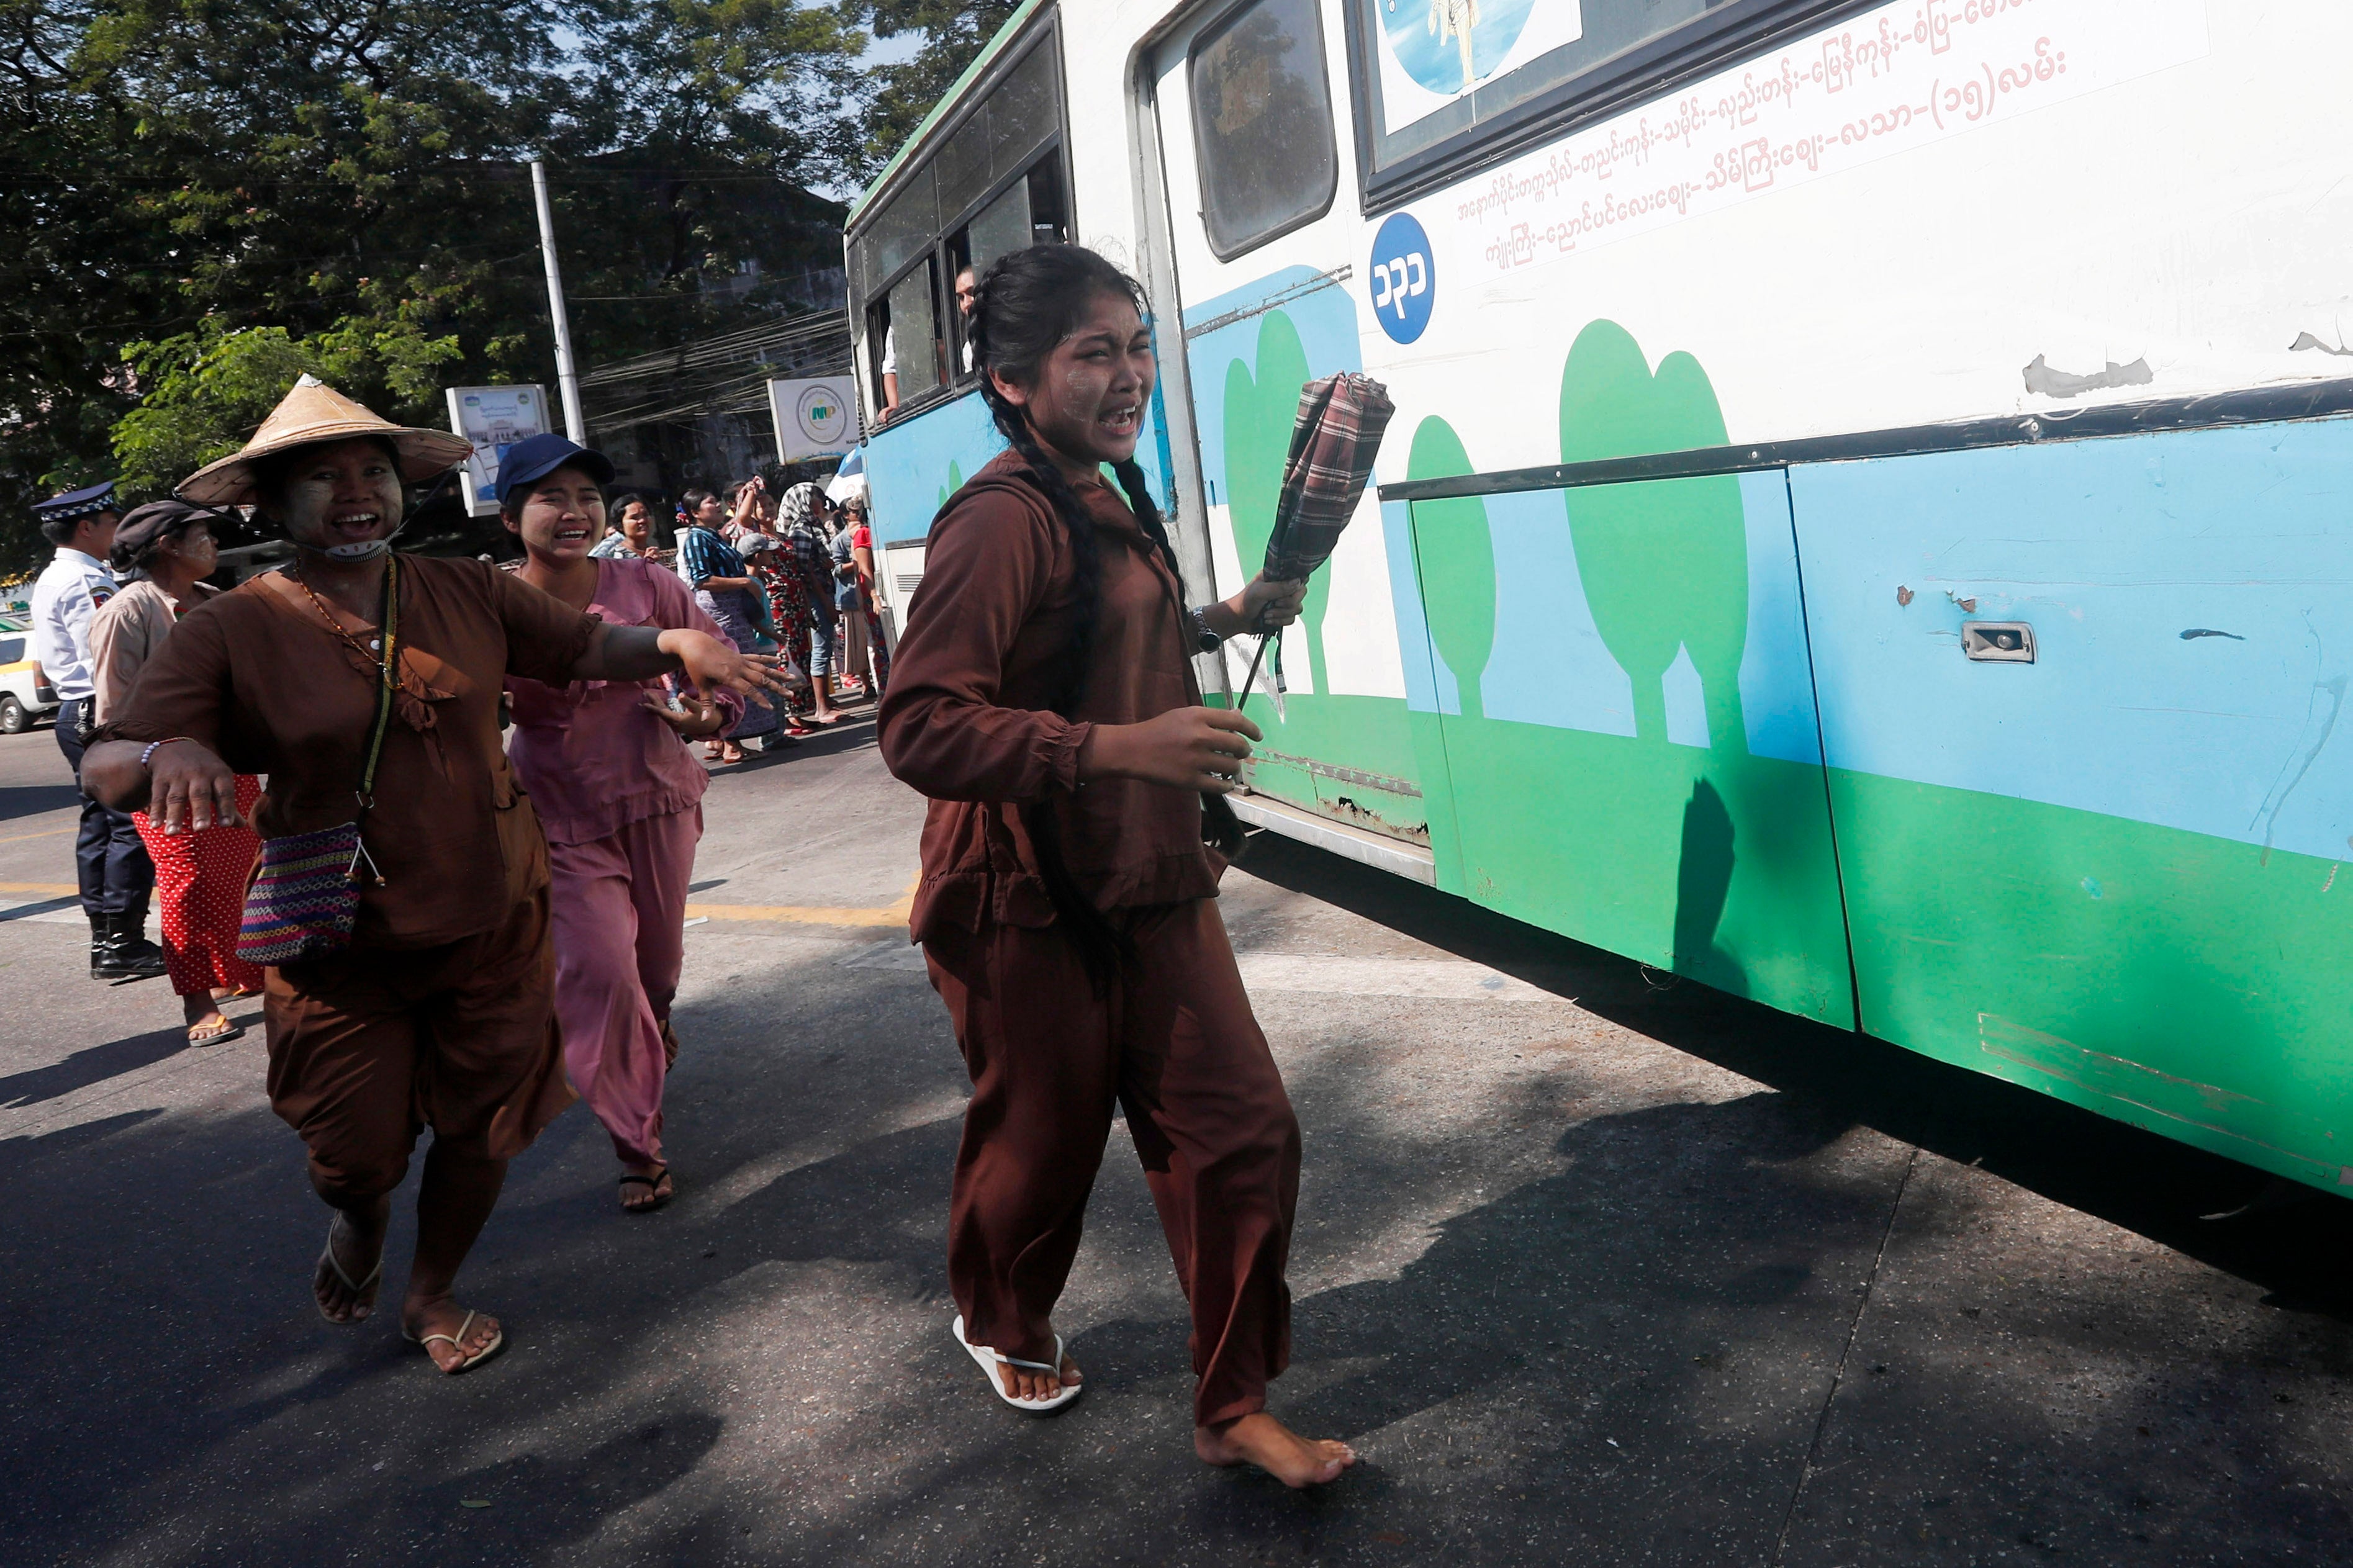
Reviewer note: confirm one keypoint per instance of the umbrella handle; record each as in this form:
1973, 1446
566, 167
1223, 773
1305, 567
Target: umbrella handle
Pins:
1249, 681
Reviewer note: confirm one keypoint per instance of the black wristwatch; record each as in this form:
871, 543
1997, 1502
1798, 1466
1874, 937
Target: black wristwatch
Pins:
1204, 639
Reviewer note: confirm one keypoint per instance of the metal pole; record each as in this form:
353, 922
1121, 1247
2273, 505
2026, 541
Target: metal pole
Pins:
567, 379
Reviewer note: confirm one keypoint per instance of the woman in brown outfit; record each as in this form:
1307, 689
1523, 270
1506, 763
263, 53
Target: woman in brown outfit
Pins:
1043, 697
439, 1012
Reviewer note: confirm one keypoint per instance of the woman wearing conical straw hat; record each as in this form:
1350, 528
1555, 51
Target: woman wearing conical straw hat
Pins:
366, 685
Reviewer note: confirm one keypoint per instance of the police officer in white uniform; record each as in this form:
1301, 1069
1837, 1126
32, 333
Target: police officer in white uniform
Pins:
116, 876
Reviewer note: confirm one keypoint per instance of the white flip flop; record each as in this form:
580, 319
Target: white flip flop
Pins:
990, 1361
358, 1287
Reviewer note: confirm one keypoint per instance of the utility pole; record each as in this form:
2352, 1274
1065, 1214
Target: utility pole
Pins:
566, 379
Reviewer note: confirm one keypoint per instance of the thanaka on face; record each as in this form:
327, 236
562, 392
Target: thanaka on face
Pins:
561, 517
1087, 402
189, 558
341, 492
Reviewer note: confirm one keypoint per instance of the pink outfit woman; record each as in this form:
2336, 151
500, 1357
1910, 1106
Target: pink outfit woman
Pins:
620, 797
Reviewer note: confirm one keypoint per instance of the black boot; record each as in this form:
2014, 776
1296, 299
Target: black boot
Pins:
128, 955
100, 931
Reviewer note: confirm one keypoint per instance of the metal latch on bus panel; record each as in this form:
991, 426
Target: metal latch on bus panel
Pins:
1997, 642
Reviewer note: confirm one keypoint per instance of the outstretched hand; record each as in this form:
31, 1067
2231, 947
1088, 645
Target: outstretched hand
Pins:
706, 662
1186, 748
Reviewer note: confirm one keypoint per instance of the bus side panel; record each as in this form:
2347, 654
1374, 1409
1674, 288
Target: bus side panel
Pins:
1626, 701
2112, 874
1337, 748
913, 465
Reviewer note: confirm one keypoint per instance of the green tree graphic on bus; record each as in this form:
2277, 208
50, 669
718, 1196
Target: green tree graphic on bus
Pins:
1454, 551
1664, 562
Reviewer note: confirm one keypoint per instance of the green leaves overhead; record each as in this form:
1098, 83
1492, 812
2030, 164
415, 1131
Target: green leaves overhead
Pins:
203, 195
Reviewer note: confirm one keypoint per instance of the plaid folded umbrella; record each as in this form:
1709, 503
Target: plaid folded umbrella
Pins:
1333, 443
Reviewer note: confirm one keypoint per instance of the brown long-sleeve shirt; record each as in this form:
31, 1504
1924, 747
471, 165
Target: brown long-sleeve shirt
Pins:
257, 676
969, 718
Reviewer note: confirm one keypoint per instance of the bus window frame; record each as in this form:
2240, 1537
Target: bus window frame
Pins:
1213, 24
956, 381
1641, 73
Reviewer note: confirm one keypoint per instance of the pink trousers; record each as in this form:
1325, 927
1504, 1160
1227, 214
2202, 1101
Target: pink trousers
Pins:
620, 927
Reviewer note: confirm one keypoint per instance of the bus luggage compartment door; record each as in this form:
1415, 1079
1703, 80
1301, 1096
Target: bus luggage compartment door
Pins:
1621, 681
2109, 865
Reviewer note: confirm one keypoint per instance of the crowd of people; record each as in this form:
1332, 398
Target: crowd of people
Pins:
443, 816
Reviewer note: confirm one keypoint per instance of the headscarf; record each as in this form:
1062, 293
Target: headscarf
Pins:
798, 505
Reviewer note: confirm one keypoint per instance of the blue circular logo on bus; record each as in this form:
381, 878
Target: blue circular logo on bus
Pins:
1404, 279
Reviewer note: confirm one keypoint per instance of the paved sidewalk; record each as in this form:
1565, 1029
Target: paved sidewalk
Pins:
1589, 1272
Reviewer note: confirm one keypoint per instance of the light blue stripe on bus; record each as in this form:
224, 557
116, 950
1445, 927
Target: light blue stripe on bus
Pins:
907, 464
1324, 319
2191, 596
1550, 666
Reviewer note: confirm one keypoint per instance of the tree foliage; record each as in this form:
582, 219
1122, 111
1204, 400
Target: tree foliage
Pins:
207, 197
953, 35
207, 389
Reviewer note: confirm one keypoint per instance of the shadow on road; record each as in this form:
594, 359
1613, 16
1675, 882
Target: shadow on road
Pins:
31, 800
93, 1065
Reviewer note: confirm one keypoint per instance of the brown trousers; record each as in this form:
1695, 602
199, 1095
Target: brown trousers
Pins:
1176, 1046
374, 1045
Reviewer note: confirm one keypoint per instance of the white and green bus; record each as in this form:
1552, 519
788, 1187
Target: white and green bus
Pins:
1868, 521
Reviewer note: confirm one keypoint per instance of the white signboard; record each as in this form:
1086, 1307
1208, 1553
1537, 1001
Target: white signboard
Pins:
816, 418
493, 418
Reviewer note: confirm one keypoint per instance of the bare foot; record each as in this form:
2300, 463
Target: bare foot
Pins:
444, 1316
1260, 1440
1026, 1382
730, 754
356, 1244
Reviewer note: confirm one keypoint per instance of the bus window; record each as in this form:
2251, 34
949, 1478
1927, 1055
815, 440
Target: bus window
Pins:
1440, 82
1003, 225
905, 227
881, 359
915, 334
1050, 215
1262, 117
992, 181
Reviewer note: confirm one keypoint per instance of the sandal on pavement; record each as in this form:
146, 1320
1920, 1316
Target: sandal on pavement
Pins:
362, 1291
652, 1183
457, 1341
225, 1030
990, 1361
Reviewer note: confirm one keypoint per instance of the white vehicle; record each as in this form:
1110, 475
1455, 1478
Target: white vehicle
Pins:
1869, 518
24, 695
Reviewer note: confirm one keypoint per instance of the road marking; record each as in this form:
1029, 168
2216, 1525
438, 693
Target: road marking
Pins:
51, 887
1439, 979
44, 833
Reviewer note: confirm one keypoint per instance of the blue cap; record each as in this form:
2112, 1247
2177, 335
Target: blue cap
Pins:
87, 502
540, 456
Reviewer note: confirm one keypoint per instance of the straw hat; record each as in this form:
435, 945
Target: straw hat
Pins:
314, 411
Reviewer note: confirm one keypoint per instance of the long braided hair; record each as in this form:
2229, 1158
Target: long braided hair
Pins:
1028, 303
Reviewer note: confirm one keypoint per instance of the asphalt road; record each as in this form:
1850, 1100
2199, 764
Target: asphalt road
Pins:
1588, 1270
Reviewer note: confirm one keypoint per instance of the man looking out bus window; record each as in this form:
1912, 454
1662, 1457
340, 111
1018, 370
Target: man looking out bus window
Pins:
968, 290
